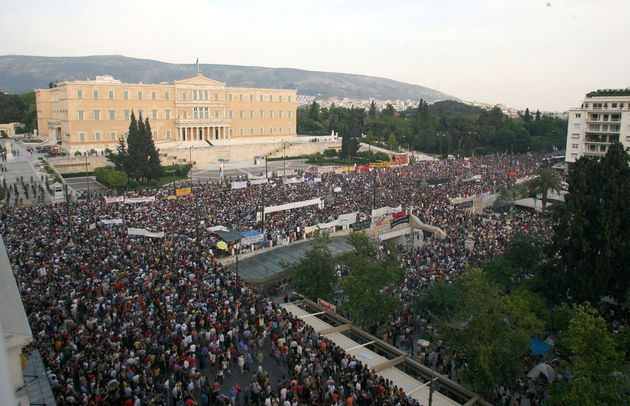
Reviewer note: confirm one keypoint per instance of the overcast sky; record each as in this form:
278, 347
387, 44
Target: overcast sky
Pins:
521, 53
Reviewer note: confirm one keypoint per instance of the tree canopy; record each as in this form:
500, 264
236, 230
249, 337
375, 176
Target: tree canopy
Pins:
449, 127
138, 159
367, 290
591, 243
314, 274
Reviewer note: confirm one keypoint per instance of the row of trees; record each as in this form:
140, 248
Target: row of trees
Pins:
446, 127
19, 109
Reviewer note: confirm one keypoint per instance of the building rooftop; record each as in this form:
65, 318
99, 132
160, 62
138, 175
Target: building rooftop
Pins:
609, 92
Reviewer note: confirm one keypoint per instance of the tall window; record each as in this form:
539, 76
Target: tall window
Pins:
79, 94
80, 114
279, 113
270, 130
95, 94
289, 97
280, 98
154, 115
82, 137
270, 113
229, 96
112, 115
167, 95
240, 114
112, 136
262, 114
153, 96
262, 98
262, 131
289, 130
183, 95
155, 134
167, 114
279, 130
240, 98
229, 113
251, 131
290, 114
110, 94
251, 97
140, 114
126, 114
240, 131
139, 94
184, 114
270, 97
194, 92
216, 97
205, 95
216, 114
126, 95
251, 114
97, 136
168, 133
231, 132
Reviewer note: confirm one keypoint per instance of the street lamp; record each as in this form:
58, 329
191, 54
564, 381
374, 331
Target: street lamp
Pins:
87, 177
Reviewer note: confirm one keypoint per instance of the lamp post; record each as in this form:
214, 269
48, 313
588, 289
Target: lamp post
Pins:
87, 177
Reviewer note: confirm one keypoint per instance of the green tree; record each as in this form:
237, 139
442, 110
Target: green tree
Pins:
545, 181
372, 113
314, 274
494, 331
314, 111
389, 110
367, 290
527, 117
139, 158
591, 242
596, 364
392, 142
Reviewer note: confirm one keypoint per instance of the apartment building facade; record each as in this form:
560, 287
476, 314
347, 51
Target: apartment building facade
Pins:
603, 118
95, 114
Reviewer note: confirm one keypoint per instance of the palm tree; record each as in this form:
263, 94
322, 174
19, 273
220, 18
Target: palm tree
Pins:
546, 180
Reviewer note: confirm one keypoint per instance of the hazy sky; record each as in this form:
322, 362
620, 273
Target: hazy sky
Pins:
522, 53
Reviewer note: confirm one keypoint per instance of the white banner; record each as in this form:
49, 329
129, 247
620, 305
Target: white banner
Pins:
239, 185
114, 199
288, 181
317, 180
145, 232
258, 181
330, 224
347, 219
294, 205
310, 229
252, 239
132, 200
383, 211
337, 189
111, 221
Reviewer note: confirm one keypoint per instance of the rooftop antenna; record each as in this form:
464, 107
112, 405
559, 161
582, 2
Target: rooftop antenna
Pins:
197, 66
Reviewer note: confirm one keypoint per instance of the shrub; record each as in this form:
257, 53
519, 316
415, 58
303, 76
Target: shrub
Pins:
107, 175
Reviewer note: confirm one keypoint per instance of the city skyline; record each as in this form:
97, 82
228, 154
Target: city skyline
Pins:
536, 54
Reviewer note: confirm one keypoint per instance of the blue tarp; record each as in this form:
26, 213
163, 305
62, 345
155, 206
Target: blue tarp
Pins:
539, 347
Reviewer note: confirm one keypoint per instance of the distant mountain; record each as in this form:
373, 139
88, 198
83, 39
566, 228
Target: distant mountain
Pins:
19, 73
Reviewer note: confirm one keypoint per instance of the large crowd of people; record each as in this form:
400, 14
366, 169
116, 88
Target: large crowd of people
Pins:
124, 319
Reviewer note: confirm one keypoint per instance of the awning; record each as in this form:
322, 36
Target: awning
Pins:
251, 237
228, 236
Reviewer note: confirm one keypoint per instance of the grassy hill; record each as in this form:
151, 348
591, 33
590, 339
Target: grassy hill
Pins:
20, 73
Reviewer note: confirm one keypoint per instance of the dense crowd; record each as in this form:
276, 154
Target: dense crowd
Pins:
123, 319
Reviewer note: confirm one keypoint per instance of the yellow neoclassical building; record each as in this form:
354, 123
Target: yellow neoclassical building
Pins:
95, 114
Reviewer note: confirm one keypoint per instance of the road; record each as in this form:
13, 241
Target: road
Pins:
22, 164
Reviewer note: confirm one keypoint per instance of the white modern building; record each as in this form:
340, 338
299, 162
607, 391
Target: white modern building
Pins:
603, 118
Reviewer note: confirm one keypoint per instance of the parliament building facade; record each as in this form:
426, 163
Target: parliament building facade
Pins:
95, 114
